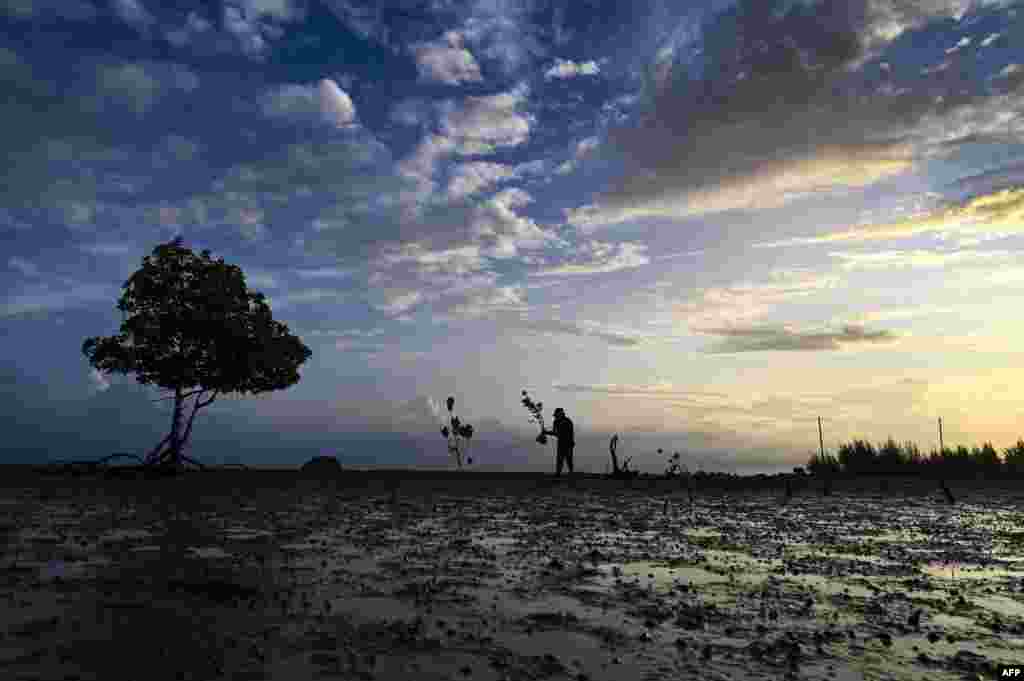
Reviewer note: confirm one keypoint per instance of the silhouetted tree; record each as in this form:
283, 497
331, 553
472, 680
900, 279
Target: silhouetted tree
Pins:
1013, 458
857, 457
194, 328
890, 456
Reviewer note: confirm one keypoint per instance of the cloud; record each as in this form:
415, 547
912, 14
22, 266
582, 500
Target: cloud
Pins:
919, 258
71, 10
419, 168
998, 213
24, 266
312, 295
655, 390
479, 125
470, 178
109, 249
771, 186
259, 279
325, 101
43, 298
366, 22
773, 108
136, 87
747, 302
412, 111
1004, 177
600, 257
398, 302
323, 273
194, 26
478, 300
620, 340
501, 230
132, 12
446, 61
566, 68
456, 261
504, 32
764, 339
335, 104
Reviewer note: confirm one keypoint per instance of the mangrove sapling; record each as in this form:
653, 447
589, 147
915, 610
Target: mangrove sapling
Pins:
536, 410
458, 430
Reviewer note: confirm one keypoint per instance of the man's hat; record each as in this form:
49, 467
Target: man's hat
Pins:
559, 412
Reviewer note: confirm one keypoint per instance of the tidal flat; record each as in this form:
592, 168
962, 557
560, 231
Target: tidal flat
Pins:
400, 575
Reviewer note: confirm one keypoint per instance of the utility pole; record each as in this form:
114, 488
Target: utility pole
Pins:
826, 490
941, 447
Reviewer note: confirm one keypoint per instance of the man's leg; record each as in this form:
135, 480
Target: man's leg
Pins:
568, 460
559, 457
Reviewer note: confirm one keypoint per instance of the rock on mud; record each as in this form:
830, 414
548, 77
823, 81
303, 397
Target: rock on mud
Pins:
321, 467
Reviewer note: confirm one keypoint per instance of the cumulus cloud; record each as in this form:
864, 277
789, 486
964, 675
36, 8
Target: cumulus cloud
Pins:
26, 267
134, 86
504, 32
566, 68
501, 231
600, 257
458, 261
470, 178
764, 339
398, 302
326, 101
479, 125
335, 104
446, 61
132, 12
412, 111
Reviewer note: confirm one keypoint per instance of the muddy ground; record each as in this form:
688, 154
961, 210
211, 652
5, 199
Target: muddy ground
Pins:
257, 575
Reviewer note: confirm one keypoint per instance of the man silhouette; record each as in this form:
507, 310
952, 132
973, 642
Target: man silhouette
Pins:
562, 429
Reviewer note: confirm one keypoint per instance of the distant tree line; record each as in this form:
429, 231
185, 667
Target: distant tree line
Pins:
860, 457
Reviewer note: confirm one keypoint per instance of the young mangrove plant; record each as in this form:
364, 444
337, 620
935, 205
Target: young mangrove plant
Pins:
536, 410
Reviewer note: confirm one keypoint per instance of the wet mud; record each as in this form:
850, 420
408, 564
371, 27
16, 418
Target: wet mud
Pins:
413, 580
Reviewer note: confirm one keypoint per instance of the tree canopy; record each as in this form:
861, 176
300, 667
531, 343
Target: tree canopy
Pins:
193, 327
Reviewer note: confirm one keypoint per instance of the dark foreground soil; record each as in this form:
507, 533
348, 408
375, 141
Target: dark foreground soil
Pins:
235, 575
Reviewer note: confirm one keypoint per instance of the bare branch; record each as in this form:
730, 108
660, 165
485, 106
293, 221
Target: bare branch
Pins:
196, 406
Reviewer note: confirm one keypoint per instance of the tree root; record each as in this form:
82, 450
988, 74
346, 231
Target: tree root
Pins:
159, 465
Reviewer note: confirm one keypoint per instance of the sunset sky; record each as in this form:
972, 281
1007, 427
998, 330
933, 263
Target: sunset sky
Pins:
698, 225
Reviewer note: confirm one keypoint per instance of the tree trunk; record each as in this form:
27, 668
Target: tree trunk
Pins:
174, 449
612, 446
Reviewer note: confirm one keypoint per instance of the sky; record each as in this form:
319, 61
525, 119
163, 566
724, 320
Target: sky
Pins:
700, 225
